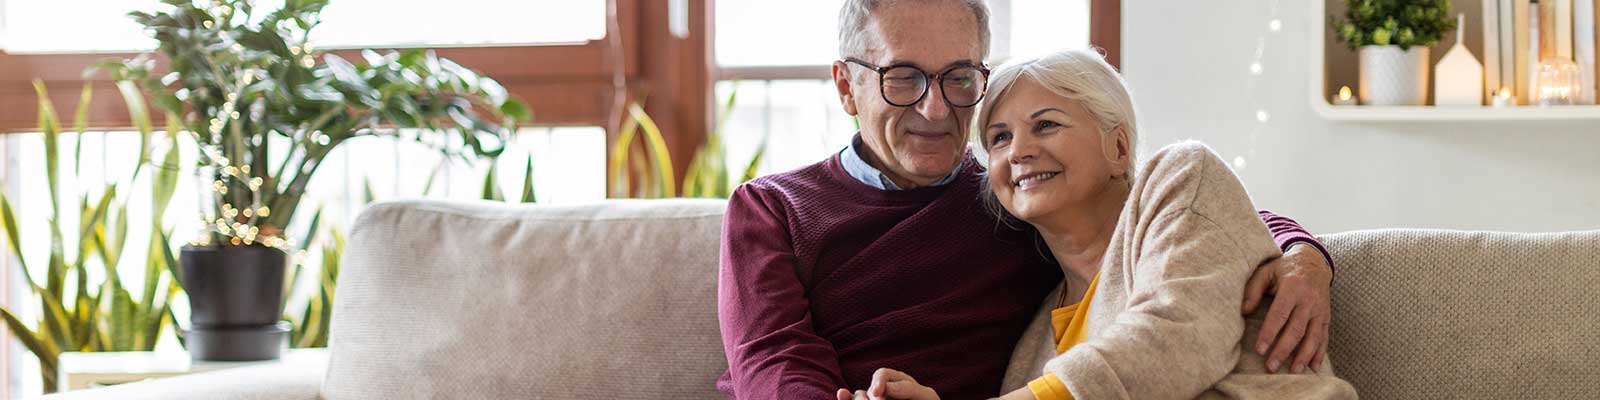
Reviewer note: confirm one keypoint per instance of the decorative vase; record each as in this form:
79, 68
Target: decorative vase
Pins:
235, 302
1394, 77
1458, 77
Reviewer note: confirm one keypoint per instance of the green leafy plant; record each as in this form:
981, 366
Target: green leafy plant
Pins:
241, 77
310, 328
1404, 23
708, 171
657, 181
104, 316
491, 185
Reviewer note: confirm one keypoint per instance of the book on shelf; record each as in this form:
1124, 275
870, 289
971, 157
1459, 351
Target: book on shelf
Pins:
1584, 36
1521, 14
1491, 49
1562, 9
1508, 68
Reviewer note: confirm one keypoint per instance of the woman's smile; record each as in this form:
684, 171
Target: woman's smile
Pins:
1031, 180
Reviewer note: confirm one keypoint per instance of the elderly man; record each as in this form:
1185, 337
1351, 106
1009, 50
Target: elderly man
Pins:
883, 256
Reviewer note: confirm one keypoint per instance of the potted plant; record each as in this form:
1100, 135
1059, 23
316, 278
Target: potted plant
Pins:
1393, 37
246, 85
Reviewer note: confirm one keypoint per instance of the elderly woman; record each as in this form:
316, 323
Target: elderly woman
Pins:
1154, 257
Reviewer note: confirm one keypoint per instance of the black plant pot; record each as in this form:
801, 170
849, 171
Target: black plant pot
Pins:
235, 302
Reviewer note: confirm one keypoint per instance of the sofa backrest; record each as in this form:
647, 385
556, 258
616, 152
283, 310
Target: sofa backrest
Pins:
488, 300
1428, 314
618, 300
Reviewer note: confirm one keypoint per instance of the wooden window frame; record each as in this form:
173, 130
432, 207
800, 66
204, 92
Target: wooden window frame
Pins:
1105, 29
565, 84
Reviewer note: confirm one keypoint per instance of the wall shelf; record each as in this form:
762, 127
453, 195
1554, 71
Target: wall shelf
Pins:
1321, 91
1453, 113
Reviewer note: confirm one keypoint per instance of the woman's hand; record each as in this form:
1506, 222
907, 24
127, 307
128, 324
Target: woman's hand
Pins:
891, 384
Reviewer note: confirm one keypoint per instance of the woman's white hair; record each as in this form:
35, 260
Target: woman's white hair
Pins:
1077, 74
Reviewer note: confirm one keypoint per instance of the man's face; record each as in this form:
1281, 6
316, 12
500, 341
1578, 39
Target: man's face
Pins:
922, 143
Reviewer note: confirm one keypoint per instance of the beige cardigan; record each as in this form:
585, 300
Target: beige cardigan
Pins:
1164, 322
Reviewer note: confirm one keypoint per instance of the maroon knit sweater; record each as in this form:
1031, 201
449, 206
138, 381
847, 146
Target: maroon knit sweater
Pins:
825, 279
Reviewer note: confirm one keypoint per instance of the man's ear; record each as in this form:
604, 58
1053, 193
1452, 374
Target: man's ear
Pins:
841, 82
1119, 150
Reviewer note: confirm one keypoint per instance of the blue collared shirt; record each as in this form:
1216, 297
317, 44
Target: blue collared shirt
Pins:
859, 169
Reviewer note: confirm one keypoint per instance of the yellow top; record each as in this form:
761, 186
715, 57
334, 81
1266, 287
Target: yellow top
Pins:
1069, 323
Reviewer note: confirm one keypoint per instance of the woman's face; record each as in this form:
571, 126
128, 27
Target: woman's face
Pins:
1047, 153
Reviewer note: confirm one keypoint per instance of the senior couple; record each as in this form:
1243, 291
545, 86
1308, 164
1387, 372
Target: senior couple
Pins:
1042, 259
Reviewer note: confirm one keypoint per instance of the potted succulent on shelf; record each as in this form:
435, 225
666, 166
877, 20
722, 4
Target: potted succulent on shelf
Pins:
1393, 37
245, 84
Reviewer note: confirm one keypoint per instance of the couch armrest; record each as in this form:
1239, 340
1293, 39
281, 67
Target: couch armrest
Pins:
298, 381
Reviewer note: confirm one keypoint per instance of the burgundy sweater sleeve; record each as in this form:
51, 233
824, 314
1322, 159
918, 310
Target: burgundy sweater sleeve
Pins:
773, 351
1286, 232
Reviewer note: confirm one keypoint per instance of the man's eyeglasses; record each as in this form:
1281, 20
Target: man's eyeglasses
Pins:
904, 85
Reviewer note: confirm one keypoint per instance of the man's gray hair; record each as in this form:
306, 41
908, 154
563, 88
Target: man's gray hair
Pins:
854, 40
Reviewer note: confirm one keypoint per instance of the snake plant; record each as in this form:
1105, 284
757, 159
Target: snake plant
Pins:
104, 315
708, 172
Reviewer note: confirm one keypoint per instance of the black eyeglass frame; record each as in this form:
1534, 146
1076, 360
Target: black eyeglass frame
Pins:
939, 78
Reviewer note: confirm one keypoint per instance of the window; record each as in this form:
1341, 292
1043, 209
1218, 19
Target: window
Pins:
551, 53
1040, 26
777, 32
568, 164
35, 26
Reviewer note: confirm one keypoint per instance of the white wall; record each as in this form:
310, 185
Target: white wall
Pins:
1188, 64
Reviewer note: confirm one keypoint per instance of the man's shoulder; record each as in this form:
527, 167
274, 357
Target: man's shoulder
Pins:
806, 179
777, 192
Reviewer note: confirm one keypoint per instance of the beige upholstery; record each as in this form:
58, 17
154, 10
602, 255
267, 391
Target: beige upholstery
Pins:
1424, 314
484, 300
618, 300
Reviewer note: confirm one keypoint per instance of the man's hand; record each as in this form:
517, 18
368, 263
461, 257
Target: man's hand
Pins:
890, 384
1300, 312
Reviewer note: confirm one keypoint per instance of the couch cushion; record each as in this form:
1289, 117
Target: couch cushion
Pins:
488, 300
1427, 314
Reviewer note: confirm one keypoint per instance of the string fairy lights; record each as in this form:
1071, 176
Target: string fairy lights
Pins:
1257, 69
238, 226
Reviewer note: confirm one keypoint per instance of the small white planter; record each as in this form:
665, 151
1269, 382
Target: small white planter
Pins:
1394, 77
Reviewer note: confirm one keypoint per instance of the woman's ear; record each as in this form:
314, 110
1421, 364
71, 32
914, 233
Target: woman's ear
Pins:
841, 82
1118, 150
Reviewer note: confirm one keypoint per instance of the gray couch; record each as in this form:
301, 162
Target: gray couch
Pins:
617, 300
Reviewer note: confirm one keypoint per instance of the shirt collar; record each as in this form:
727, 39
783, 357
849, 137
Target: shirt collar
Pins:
858, 168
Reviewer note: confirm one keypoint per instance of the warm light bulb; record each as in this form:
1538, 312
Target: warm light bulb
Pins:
1344, 93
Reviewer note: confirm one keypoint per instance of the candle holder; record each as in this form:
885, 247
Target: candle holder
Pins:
1504, 99
1344, 98
1559, 84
